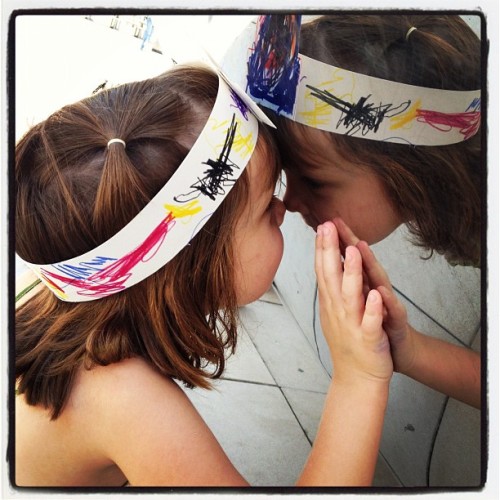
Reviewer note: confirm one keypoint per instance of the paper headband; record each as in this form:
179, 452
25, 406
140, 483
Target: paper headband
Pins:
175, 214
336, 100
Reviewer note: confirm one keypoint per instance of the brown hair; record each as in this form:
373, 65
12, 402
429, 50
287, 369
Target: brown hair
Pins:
73, 193
435, 189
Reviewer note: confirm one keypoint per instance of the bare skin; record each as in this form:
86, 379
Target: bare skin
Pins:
445, 367
126, 422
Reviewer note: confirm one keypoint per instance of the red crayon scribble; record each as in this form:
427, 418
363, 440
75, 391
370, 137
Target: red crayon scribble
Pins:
112, 278
467, 122
50, 282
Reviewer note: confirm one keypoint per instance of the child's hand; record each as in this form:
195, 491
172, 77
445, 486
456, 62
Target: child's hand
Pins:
395, 318
358, 345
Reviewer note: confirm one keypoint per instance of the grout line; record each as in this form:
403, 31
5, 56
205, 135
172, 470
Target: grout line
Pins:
292, 316
296, 417
389, 466
265, 384
433, 442
462, 343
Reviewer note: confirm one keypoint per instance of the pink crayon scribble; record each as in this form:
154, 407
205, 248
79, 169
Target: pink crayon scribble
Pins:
112, 278
467, 122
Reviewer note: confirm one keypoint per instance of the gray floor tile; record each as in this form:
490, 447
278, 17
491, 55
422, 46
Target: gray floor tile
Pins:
384, 476
271, 296
450, 295
295, 279
411, 420
308, 407
257, 430
456, 460
283, 347
246, 364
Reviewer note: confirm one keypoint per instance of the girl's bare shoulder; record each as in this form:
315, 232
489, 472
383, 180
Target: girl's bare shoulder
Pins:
149, 427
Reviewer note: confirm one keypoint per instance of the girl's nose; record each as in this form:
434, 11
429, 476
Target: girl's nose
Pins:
280, 212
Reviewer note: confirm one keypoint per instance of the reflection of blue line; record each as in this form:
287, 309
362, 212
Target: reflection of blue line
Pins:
200, 224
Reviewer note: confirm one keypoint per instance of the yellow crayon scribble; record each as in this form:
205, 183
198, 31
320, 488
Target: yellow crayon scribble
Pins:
401, 120
186, 210
243, 144
320, 112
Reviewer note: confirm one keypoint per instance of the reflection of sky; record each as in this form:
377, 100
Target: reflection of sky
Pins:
62, 59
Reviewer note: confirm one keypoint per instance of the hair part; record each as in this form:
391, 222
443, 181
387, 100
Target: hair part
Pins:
73, 193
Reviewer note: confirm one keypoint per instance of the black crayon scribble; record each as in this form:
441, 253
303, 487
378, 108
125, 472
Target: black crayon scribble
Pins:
363, 115
218, 176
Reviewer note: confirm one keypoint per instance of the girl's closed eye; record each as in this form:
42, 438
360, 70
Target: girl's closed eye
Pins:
312, 183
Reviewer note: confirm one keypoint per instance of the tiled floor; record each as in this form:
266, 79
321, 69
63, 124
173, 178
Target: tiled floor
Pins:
266, 409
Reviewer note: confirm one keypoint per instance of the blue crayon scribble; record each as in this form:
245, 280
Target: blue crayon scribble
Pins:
274, 66
475, 105
84, 269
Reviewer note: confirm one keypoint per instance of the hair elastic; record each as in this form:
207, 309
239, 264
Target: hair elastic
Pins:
410, 31
266, 61
111, 141
174, 215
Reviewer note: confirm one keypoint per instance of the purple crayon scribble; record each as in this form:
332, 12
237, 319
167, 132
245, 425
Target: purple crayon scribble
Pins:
239, 104
274, 66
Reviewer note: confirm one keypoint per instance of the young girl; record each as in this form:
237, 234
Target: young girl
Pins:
376, 185
135, 209
383, 129
372, 186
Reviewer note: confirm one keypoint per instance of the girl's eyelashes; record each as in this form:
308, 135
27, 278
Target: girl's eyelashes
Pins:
311, 183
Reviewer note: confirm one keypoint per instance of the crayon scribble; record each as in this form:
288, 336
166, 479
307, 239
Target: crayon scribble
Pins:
274, 66
218, 176
467, 122
239, 104
406, 117
112, 277
363, 115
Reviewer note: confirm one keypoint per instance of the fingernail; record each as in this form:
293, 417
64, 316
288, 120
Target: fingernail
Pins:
372, 296
319, 231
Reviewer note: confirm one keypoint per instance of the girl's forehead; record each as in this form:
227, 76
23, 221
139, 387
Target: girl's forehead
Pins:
313, 149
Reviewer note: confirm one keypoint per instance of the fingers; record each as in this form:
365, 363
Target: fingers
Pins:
328, 265
345, 234
396, 317
352, 284
375, 272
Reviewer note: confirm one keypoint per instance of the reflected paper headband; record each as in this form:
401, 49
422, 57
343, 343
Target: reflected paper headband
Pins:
344, 102
174, 215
